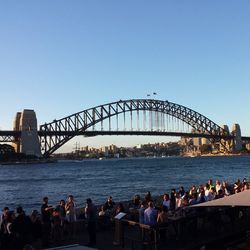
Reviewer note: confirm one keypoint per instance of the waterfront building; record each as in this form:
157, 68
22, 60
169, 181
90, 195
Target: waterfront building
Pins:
105, 150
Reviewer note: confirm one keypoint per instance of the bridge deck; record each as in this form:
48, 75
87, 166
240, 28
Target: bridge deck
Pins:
12, 133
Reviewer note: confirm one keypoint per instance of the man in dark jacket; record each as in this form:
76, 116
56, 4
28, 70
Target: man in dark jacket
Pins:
91, 216
22, 228
46, 221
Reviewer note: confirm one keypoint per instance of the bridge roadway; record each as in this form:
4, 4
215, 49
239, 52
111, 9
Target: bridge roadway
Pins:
9, 135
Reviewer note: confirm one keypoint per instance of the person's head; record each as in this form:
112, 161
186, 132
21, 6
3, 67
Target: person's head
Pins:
19, 210
166, 197
71, 198
202, 192
120, 207
144, 204
10, 215
89, 201
62, 203
5, 210
34, 214
148, 196
173, 191
110, 199
217, 182
136, 199
150, 204
173, 194
45, 200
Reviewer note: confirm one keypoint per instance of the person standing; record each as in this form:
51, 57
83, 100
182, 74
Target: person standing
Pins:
150, 215
162, 219
109, 204
62, 211
36, 229
22, 229
141, 211
70, 209
46, 221
166, 201
6, 240
91, 217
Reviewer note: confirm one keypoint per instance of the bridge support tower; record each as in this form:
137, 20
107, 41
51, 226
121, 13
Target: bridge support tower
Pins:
233, 145
237, 142
226, 145
28, 144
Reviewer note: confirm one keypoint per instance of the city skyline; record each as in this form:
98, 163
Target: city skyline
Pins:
60, 58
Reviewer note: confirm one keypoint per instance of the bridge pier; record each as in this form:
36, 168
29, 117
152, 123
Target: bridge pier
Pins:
237, 142
28, 144
226, 145
233, 145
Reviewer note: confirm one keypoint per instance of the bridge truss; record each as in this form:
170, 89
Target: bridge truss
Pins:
9, 136
136, 115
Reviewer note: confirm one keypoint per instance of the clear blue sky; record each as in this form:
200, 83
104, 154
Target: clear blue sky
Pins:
60, 57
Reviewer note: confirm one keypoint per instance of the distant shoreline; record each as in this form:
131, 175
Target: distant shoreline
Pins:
76, 159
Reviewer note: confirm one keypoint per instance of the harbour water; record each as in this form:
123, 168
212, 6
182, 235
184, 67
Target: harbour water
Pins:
26, 185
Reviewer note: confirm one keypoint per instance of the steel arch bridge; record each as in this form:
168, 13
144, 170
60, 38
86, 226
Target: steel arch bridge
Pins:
155, 116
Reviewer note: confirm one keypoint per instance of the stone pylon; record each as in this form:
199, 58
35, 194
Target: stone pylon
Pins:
26, 122
16, 127
237, 142
226, 145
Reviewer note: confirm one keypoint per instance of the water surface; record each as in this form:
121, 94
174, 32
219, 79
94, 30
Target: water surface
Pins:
122, 178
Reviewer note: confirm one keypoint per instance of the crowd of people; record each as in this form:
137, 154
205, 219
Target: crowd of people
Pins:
53, 223
153, 212
50, 226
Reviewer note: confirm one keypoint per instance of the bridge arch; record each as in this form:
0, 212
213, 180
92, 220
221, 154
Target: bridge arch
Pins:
58, 132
